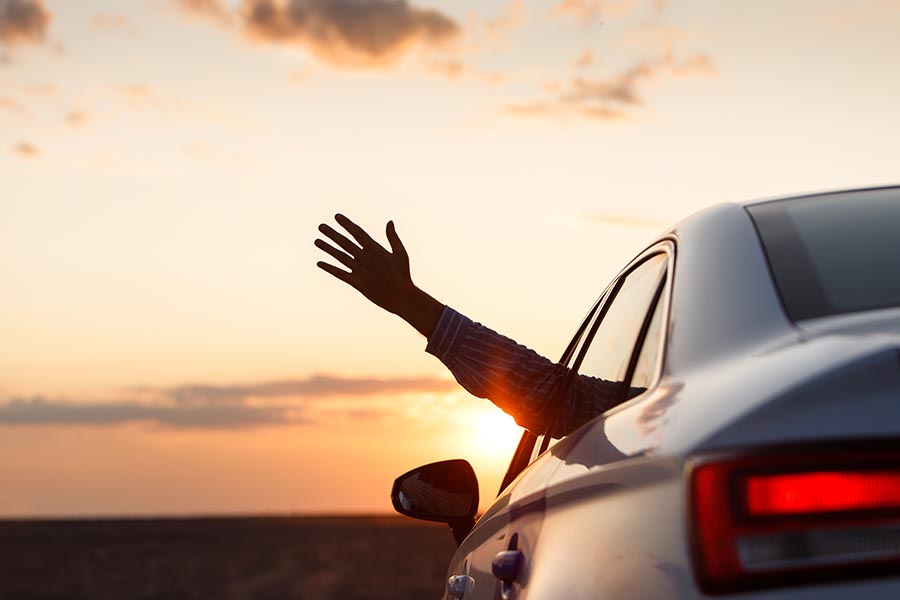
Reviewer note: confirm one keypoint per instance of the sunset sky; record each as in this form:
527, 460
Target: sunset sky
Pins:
170, 346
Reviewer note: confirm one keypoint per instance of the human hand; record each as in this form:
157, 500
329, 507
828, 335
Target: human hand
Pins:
380, 275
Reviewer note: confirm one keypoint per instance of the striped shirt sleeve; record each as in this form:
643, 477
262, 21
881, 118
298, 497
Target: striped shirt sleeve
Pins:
517, 379
492, 366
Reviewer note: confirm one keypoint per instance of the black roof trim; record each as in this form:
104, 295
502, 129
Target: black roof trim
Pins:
759, 201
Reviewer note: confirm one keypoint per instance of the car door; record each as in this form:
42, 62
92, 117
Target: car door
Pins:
494, 561
586, 468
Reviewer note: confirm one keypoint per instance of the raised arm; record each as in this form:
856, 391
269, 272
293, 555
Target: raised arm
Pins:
380, 275
485, 363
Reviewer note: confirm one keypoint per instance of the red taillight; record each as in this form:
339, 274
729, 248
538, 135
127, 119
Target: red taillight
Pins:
791, 516
821, 492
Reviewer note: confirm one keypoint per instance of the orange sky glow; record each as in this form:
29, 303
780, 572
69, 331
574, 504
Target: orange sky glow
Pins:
171, 348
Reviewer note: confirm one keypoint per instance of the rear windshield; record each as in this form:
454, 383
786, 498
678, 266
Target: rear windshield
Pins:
833, 253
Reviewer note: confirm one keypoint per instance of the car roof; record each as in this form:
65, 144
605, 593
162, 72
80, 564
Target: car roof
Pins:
725, 302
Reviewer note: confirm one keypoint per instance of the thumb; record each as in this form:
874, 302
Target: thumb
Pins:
394, 239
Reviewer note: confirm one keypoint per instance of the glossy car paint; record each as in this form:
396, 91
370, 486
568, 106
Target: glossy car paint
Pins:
603, 513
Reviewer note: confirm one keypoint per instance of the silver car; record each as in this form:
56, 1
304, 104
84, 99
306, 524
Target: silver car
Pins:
755, 452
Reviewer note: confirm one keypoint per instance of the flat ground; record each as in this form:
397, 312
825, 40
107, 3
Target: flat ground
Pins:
327, 558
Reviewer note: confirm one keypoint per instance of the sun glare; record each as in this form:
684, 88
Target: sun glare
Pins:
495, 434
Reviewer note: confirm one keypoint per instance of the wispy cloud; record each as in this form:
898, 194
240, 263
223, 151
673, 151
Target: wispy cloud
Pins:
40, 89
204, 406
26, 150
23, 22
587, 11
11, 105
206, 9
41, 411
77, 117
138, 95
319, 386
612, 97
585, 60
514, 15
110, 22
456, 70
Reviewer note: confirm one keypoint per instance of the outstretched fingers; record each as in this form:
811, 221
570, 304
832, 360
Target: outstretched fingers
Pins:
358, 233
344, 259
345, 276
339, 239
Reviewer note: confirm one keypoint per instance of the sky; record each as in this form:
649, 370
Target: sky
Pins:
170, 346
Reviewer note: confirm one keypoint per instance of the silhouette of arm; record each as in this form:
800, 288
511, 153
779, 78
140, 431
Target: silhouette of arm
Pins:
492, 366
487, 364
517, 379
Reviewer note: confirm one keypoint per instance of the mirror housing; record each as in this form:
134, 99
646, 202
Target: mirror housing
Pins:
446, 492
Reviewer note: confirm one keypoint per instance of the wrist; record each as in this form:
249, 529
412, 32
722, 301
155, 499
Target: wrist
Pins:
421, 311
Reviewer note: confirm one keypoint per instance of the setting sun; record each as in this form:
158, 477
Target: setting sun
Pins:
495, 434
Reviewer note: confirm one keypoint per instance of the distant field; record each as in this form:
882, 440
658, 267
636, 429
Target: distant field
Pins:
339, 558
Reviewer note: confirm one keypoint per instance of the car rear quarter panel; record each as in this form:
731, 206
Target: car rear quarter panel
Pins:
723, 296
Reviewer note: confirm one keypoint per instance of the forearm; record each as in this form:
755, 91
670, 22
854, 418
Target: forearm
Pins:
420, 310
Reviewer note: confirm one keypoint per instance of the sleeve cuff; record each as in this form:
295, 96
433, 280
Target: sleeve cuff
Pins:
446, 333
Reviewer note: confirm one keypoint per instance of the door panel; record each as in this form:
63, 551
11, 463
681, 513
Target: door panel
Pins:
513, 522
511, 528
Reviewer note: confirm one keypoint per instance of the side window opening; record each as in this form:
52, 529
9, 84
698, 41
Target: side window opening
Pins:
616, 363
644, 369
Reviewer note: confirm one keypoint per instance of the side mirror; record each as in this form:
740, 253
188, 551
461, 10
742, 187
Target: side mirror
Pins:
445, 491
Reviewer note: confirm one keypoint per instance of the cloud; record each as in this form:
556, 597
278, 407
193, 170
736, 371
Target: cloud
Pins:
77, 117
138, 95
347, 33
11, 105
200, 406
585, 59
110, 22
207, 9
355, 34
587, 11
40, 411
40, 89
550, 109
23, 22
26, 150
456, 70
514, 15
613, 97
319, 386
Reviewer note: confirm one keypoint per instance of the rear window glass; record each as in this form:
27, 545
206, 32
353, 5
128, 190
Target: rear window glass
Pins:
833, 253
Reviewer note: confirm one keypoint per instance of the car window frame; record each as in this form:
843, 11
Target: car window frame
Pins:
523, 455
526, 451
662, 295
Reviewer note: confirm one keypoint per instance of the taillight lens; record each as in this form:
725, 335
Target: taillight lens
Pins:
795, 515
